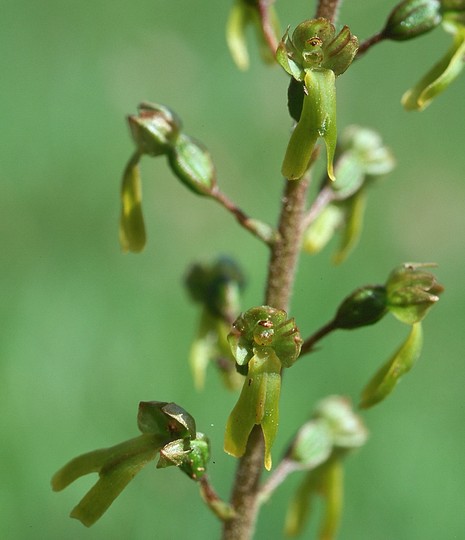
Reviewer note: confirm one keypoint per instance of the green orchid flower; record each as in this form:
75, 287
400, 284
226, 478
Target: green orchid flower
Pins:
263, 341
314, 56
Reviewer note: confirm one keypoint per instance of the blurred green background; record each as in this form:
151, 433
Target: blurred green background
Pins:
87, 332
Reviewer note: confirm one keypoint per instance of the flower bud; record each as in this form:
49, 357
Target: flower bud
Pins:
412, 18
192, 164
217, 286
154, 129
346, 427
411, 292
363, 307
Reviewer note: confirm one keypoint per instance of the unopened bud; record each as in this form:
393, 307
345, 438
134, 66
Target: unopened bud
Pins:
363, 307
412, 18
191, 162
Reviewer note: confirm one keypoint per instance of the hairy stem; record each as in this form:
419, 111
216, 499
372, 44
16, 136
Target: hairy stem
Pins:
309, 343
281, 274
286, 250
267, 24
328, 9
368, 43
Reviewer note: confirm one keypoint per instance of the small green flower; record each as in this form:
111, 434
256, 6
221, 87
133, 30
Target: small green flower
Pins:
161, 424
263, 341
412, 291
314, 56
217, 288
318, 448
361, 158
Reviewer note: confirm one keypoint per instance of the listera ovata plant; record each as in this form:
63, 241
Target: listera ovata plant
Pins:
251, 348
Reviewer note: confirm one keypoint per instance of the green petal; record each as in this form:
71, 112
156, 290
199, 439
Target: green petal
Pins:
239, 17
385, 380
441, 75
132, 229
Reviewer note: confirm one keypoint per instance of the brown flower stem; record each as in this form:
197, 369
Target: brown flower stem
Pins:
282, 471
267, 25
328, 9
368, 43
324, 197
260, 230
281, 273
310, 342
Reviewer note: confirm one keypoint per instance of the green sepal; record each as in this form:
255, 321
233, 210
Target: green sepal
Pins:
287, 57
155, 128
318, 119
326, 482
165, 419
412, 18
191, 162
258, 404
442, 74
265, 326
195, 463
116, 467
412, 291
314, 45
132, 235
238, 20
386, 378
191, 456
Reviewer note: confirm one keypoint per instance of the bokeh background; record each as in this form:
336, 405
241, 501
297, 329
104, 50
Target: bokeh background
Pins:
87, 332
